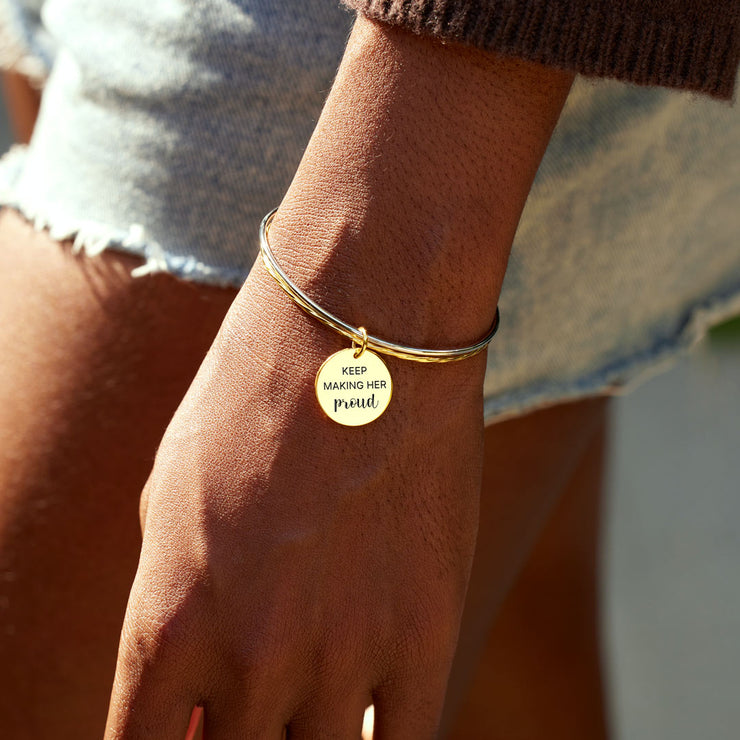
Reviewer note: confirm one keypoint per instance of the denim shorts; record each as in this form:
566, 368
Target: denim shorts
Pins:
168, 129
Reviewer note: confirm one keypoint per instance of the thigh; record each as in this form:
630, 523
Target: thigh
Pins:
92, 366
530, 463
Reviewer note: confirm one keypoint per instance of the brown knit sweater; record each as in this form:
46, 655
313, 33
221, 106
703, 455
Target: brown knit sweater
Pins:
689, 44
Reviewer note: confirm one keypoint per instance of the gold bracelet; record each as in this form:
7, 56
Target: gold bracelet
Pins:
357, 368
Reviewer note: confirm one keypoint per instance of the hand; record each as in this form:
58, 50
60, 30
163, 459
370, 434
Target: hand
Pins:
294, 570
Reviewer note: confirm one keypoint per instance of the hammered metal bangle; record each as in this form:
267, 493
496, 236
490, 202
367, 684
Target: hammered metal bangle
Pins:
360, 338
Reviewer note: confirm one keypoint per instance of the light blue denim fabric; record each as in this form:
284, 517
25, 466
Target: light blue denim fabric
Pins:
168, 129
25, 45
628, 249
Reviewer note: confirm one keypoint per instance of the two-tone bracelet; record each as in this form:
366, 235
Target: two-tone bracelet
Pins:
353, 385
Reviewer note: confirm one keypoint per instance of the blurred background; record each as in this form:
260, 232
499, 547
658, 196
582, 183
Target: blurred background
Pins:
671, 548
671, 593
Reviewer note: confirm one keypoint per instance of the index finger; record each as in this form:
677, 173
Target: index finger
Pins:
149, 697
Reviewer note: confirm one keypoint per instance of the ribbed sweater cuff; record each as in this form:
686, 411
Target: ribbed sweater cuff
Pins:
592, 38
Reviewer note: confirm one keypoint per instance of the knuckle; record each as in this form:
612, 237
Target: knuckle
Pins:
333, 657
255, 662
427, 634
157, 634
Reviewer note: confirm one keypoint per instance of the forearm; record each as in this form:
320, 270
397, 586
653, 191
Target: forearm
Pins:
404, 207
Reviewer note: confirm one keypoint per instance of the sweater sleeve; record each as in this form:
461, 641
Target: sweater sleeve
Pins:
688, 44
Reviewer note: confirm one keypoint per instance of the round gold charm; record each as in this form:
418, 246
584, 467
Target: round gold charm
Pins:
353, 390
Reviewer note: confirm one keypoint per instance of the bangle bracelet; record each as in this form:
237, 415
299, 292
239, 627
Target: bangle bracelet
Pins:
358, 335
356, 376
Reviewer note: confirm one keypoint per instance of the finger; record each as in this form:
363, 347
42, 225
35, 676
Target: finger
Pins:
235, 719
329, 718
409, 708
248, 695
147, 700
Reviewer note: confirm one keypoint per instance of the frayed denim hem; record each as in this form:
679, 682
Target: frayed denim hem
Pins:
91, 238
617, 377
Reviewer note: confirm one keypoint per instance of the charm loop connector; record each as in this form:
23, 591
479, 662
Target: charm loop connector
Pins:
361, 348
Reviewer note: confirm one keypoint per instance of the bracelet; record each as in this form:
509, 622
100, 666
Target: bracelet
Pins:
339, 374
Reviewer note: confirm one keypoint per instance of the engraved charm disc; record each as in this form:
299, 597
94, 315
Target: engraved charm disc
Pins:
353, 390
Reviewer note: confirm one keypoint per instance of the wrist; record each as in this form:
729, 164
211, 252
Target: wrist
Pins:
267, 336
402, 213
400, 288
